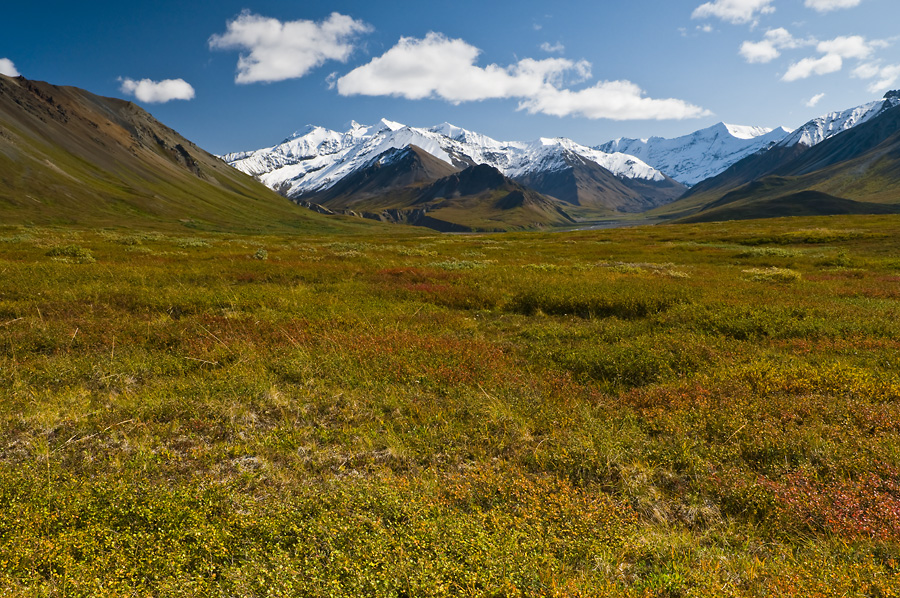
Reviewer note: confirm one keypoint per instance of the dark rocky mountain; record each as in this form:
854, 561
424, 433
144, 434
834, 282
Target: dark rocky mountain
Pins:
392, 180
583, 182
411, 186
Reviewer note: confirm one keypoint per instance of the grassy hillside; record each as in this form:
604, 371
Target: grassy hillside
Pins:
70, 157
859, 165
736, 206
696, 410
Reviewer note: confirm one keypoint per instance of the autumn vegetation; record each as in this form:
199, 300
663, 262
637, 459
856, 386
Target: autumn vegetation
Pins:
691, 410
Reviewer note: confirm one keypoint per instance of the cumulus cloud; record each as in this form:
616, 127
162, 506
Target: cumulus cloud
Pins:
762, 52
437, 66
8, 68
885, 76
830, 63
828, 5
813, 101
443, 68
287, 50
158, 92
769, 48
867, 70
853, 46
734, 11
614, 100
556, 48
834, 52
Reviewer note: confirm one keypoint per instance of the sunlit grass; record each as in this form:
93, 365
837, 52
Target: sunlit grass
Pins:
670, 411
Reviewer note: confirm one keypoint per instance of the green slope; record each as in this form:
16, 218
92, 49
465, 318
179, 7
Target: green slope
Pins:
803, 203
70, 157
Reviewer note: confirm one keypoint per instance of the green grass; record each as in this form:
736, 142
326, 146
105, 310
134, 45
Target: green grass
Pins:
696, 410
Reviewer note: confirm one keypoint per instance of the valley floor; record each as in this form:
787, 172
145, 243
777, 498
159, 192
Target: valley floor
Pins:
694, 410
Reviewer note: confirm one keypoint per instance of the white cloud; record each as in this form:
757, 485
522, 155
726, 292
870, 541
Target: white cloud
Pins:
734, 11
288, 50
437, 66
769, 48
813, 101
760, 52
158, 92
705, 28
867, 70
830, 63
853, 46
885, 76
556, 48
828, 5
443, 68
8, 68
834, 52
614, 100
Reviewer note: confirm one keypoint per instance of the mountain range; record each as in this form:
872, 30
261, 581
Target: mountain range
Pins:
851, 155
702, 154
69, 156
584, 182
346, 171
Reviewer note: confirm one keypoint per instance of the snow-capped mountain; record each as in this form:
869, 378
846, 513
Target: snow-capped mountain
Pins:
849, 155
702, 154
315, 159
819, 129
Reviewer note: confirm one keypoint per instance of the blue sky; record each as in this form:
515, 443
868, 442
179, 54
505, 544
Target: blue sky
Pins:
233, 75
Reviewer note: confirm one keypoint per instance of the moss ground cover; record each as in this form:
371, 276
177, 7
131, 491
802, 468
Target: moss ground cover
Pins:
703, 410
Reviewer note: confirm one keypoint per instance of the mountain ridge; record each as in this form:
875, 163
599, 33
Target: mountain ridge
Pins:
700, 155
857, 160
68, 156
315, 159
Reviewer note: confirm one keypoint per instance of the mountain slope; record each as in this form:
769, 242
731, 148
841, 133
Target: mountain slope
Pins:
582, 176
861, 164
69, 156
700, 155
828, 125
410, 185
388, 181
482, 198
844, 161
801, 203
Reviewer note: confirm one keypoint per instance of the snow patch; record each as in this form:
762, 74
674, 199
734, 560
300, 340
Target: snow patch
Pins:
828, 125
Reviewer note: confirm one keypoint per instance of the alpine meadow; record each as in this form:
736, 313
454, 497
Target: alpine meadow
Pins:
587, 341
665, 411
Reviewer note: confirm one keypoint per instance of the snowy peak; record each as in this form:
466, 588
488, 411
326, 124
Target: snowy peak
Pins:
452, 131
389, 125
745, 132
557, 153
692, 158
315, 159
828, 125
